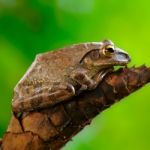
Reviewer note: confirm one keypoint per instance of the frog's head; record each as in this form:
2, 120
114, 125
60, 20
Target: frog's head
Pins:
107, 55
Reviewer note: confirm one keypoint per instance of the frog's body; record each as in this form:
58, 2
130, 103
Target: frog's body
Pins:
58, 75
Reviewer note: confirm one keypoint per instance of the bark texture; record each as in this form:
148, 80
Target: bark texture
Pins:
53, 127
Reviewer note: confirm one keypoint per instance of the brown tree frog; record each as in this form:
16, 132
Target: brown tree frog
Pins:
57, 76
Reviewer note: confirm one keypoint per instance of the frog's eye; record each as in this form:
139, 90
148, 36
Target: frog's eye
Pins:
108, 50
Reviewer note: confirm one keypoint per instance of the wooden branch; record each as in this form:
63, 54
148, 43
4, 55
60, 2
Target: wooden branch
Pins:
53, 127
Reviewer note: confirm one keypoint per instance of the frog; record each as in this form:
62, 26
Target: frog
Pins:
58, 76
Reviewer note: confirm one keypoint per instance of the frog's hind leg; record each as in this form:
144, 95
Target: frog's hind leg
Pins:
46, 98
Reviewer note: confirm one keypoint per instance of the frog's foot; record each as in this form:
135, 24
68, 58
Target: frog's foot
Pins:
99, 77
102, 74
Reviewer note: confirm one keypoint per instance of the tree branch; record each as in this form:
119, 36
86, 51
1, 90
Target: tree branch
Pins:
53, 127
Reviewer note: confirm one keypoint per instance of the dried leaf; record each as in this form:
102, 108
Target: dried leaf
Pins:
53, 127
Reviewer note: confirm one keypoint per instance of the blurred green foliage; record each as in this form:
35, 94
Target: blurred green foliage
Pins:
28, 27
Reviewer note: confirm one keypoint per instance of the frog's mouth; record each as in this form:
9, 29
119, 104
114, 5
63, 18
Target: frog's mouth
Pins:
121, 59
112, 67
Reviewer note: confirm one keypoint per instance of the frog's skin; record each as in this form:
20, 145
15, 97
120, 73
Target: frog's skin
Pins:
59, 75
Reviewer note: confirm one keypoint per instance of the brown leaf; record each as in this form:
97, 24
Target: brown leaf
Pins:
53, 127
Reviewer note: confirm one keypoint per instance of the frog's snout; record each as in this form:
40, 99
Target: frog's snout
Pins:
129, 58
123, 57
126, 57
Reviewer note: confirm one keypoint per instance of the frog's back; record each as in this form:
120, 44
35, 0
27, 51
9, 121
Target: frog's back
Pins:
51, 67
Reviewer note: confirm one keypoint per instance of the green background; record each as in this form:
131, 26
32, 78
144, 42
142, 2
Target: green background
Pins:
28, 27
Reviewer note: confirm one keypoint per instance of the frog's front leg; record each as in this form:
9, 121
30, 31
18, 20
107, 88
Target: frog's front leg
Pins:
46, 97
99, 77
88, 83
